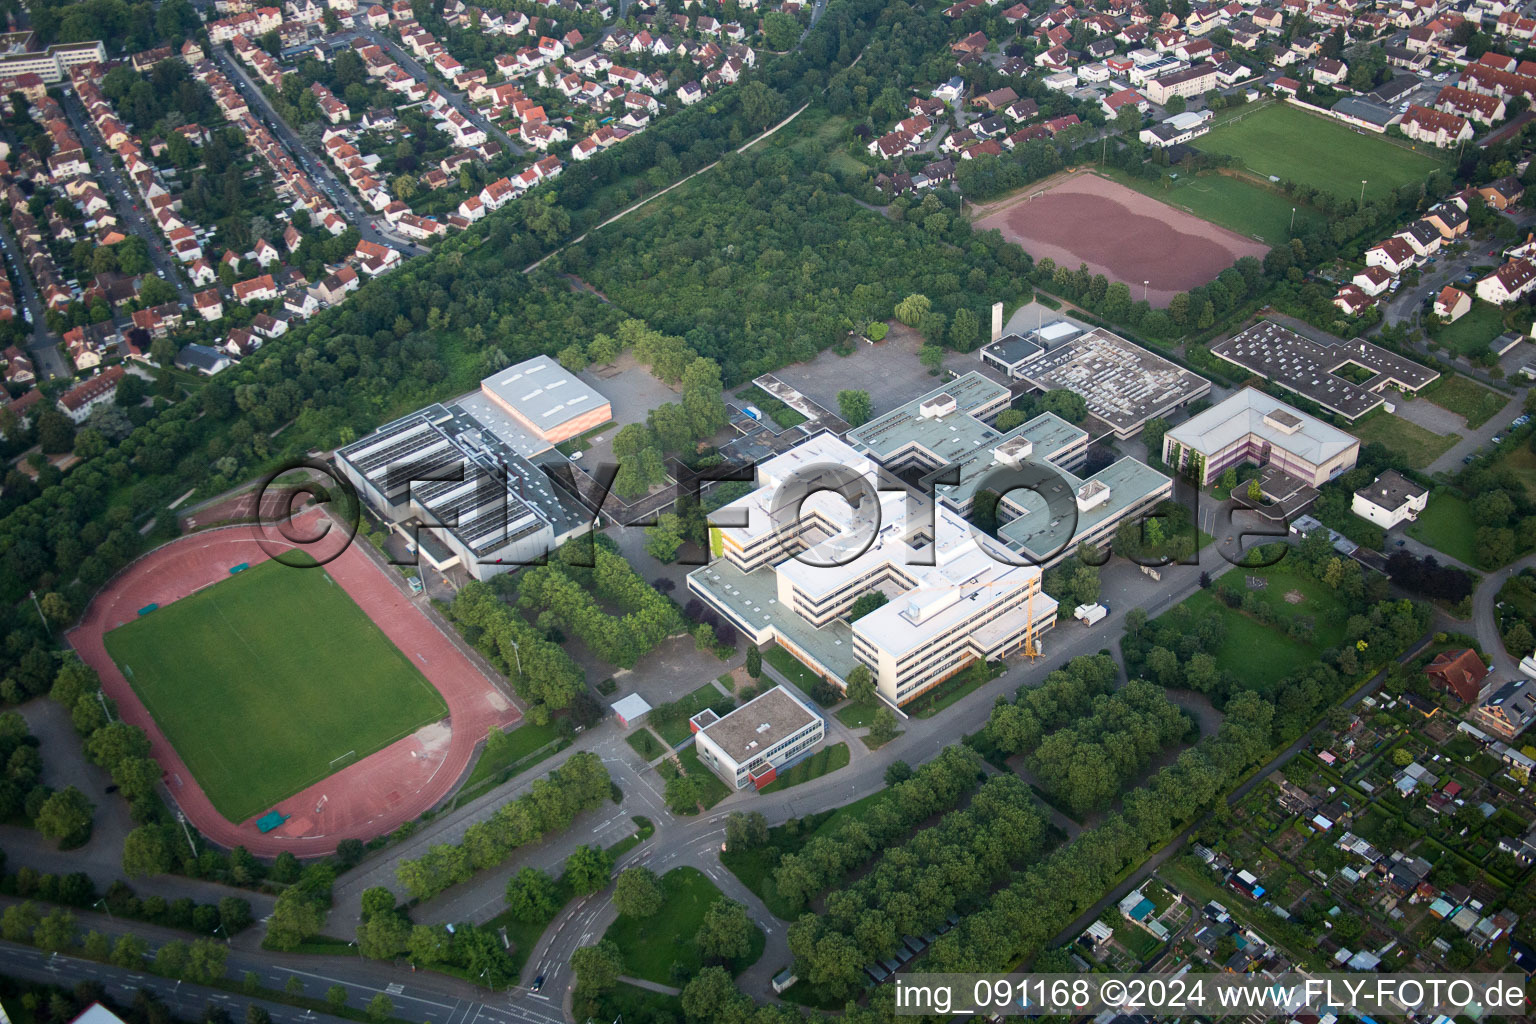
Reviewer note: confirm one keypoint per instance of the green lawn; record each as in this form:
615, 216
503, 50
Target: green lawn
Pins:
675, 730
1417, 446
791, 668
1467, 398
827, 759
1521, 461
631, 1002
714, 790
270, 681
1260, 654
1288, 143
1446, 525
504, 751
1230, 202
652, 945
857, 716
645, 743
1472, 333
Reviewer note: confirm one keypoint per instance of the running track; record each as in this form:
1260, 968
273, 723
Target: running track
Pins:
363, 800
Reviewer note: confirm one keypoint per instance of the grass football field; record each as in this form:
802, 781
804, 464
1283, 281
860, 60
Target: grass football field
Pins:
1230, 202
270, 681
1289, 143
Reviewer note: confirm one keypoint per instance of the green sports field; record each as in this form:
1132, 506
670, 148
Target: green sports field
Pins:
269, 681
1289, 143
1230, 202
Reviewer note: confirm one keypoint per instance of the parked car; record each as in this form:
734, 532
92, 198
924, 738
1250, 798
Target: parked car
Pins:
1497, 439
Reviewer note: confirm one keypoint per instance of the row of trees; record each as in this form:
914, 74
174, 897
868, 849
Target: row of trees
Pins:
386, 932
566, 596
542, 673
1061, 697
1084, 764
227, 917
913, 887
936, 786
550, 805
200, 961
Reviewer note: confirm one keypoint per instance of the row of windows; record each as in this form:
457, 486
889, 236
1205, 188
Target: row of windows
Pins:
744, 773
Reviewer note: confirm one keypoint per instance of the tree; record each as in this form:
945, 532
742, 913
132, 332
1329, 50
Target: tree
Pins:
146, 852
861, 686
726, 932
1011, 418
66, 817
587, 869
297, 915
206, 961
1175, 105
866, 603
754, 661
55, 431
637, 893
882, 727
854, 406
380, 1007
598, 967
781, 30
746, 831
532, 895
964, 329
931, 356
910, 310
1069, 405
664, 538
1255, 493
336, 997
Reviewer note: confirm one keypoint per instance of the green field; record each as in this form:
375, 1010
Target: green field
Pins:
1466, 398
1446, 525
1261, 655
270, 681
1472, 333
827, 759
652, 945
1230, 202
1417, 446
1291, 144
1521, 461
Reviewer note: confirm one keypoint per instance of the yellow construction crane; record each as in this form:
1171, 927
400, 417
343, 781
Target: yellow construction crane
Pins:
1030, 650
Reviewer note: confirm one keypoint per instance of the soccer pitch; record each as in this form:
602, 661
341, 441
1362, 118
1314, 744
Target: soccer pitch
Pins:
1289, 143
270, 681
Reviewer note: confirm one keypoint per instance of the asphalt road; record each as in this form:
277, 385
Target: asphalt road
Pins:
126, 204
47, 352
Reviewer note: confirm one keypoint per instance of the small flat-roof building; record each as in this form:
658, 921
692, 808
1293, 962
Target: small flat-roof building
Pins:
1390, 499
1307, 367
1251, 426
547, 399
752, 743
629, 710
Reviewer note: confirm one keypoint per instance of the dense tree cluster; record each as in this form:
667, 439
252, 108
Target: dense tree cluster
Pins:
937, 786
1021, 919
778, 265
1084, 764
913, 887
386, 932
1428, 577
1061, 697
580, 784
541, 671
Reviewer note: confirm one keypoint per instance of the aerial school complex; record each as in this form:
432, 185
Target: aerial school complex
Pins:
955, 594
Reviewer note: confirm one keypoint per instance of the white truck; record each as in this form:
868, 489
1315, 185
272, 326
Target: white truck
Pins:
1088, 614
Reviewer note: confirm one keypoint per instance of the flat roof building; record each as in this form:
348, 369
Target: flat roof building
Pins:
489, 509
1390, 499
547, 399
1307, 367
752, 743
1251, 426
799, 555
1123, 384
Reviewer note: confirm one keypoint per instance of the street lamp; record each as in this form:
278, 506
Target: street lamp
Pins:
1362, 191
1293, 220
1144, 290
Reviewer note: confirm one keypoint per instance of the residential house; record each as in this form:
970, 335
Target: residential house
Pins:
1459, 673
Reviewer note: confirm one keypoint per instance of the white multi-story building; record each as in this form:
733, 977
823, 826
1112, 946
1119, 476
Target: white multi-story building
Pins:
1390, 499
754, 742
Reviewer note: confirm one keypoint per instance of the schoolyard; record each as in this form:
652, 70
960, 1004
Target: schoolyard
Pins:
1292, 144
269, 681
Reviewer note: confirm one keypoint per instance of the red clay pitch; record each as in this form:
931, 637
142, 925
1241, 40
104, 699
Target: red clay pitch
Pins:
362, 800
1120, 233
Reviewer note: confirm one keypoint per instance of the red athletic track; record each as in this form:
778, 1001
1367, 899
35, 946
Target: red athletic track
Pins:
365, 799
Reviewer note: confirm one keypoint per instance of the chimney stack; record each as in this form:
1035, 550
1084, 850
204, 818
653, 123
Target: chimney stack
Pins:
997, 320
